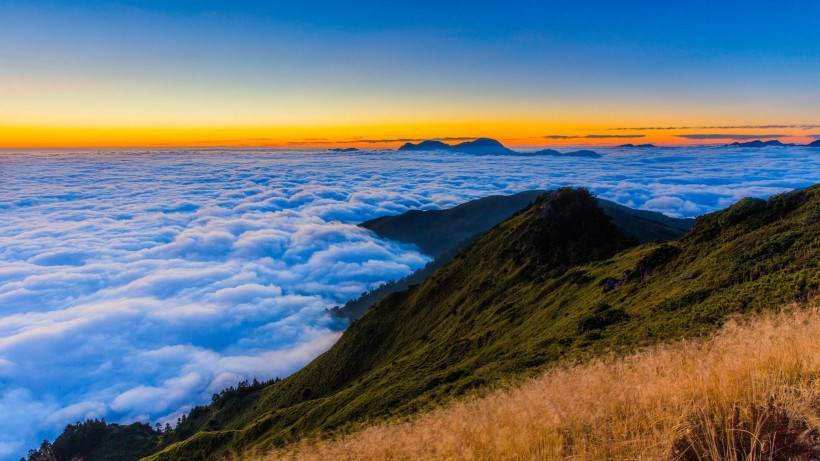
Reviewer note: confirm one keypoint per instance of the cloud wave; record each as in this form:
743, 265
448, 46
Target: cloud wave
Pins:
133, 285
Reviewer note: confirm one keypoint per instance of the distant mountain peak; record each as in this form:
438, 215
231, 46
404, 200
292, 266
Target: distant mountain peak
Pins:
482, 146
574, 153
478, 146
759, 143
482, 141
343, 149
427, 145
488, 146
638, 146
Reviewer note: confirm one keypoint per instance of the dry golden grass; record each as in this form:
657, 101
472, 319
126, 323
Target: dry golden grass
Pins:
750, 392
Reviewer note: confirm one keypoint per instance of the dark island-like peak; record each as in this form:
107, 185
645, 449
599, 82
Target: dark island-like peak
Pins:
637, 146
479, 146
573, 153
344, 149
482, 146
488, 146
427, 145
759, 143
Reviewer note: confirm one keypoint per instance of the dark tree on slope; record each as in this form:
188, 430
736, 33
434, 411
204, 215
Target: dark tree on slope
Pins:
573, 230
95, 439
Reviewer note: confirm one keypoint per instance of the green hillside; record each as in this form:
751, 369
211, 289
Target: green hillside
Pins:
444, 233
436, 232
556, 281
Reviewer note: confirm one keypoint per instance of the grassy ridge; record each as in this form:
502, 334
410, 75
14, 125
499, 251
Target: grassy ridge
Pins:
445, 233
555, 282
748, 393
437, 232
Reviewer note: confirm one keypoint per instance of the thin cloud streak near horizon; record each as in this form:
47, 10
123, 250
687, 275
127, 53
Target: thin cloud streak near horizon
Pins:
594, 136
705, 136
717, 127
380, 141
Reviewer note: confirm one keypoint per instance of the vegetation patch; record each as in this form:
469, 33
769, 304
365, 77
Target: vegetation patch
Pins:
749, 392
687, 299
602, 316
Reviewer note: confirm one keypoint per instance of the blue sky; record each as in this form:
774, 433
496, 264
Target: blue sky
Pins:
293, 68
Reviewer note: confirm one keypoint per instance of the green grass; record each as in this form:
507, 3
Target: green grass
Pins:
445, 233
553, 283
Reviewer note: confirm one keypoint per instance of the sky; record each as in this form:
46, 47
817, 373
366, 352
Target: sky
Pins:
289, 74
135, 284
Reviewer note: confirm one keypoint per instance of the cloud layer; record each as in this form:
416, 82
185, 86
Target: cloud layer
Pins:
801, 126
594, 136
134, 285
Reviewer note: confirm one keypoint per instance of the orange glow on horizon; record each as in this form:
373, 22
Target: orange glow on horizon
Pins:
512, 133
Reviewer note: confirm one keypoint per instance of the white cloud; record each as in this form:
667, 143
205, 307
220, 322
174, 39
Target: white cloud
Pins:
134, 285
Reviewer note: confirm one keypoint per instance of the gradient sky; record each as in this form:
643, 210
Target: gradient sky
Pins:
207, 73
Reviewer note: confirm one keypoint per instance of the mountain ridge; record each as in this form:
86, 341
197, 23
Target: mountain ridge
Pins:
478, 146
760, 143
443, 233
487, 146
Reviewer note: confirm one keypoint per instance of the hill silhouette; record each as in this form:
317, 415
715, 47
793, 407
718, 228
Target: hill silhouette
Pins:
425, 146
486, 146
480, 146
759, 143
438, 231
343, 149
443, 233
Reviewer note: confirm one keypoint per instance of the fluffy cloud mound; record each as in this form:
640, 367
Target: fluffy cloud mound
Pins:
135, 285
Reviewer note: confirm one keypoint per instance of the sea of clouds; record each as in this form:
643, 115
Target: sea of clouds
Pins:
134, 285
